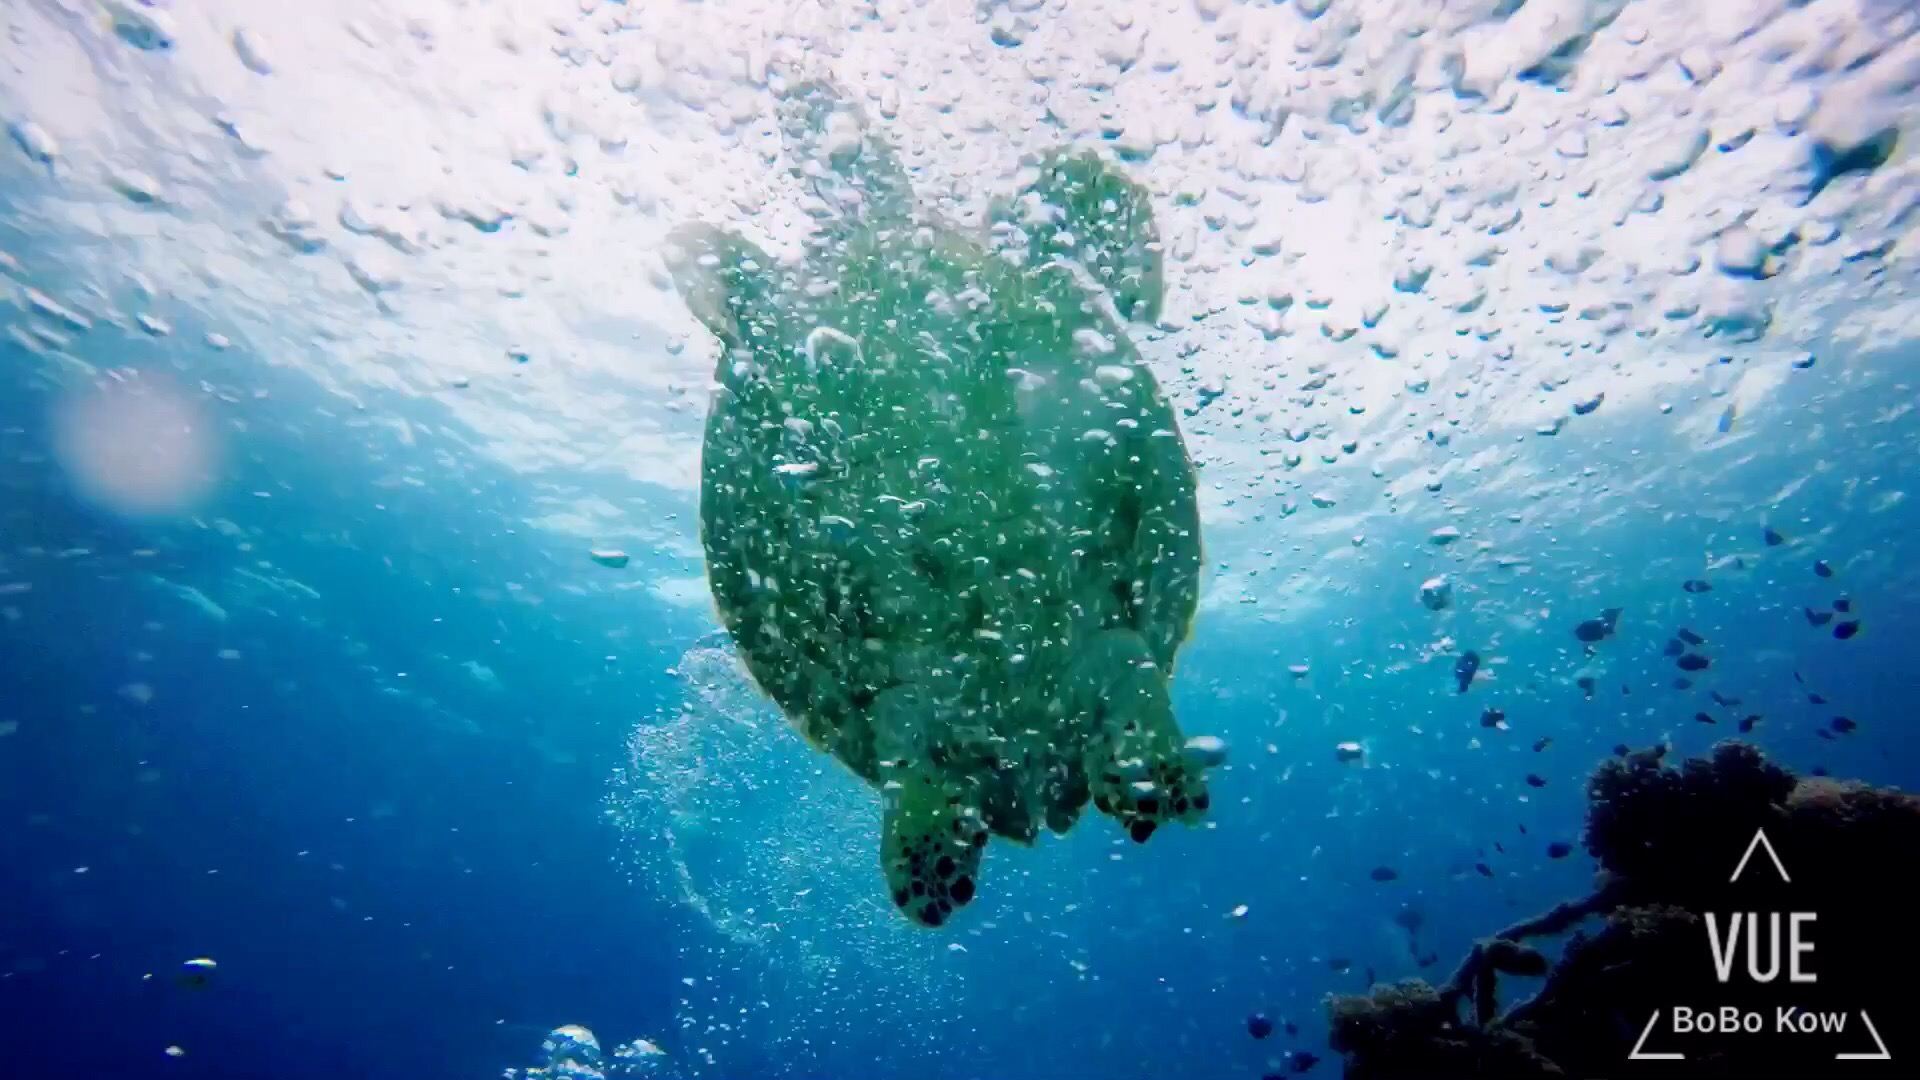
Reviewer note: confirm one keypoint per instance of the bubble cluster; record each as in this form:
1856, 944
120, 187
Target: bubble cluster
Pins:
725, 809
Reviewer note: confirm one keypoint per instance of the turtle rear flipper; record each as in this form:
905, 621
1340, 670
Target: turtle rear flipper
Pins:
1083, 209
1135, 759
930, 845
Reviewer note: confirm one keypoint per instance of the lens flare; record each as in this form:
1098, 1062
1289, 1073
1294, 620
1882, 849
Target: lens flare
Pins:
137, 445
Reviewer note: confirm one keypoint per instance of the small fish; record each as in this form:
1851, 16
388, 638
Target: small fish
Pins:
1383, 874
1340, 965
1704, 718
1290, 1027
1302, 1060
1598, 629
1725, 423
1559, 849
1824, 733
1773, 538
1494, 718
1818, 770
1207, 751
1428, 960
195, 974
1681, 682
1817, 618
1259, 1025
1485, 870
1843, 726
1821, 569
1843, 605
1585, 683
1816, 699
139, 29
1723, 700
1464, 668
1695, 585
1689, 636
1693, 662
1845, 630
1523, 830
1674, 647
1621, 749
1497, 846
1747, 722
1536, 780
1542, 743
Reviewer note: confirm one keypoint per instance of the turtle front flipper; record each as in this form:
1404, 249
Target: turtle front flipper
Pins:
1083, 209
1135, 758
930, 845
725, 279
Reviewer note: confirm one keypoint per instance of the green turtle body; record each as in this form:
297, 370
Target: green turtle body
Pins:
948, 516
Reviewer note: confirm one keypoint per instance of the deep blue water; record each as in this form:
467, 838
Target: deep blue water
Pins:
251, 840
405, 886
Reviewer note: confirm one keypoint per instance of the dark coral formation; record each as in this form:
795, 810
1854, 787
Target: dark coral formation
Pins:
1666, 832
1410, 1029
1668, 840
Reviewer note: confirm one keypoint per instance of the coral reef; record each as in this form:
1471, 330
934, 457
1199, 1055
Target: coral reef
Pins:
1668, 841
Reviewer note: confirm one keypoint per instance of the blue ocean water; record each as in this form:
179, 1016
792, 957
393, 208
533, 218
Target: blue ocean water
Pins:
428, 781
422, 881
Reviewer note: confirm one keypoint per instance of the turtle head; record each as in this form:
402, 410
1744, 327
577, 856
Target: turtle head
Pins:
725, 279
1082, 209
840, 154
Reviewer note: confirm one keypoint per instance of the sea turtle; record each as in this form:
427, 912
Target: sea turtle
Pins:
949, 518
